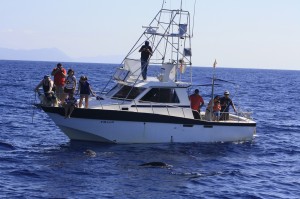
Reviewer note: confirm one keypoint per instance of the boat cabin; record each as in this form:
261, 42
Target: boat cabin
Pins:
166, 98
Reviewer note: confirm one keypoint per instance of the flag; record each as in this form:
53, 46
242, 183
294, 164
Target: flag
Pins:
215, 63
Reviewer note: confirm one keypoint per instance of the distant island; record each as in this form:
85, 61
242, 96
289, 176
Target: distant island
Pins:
52, 54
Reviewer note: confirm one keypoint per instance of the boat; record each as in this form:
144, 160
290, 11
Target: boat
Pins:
131, 109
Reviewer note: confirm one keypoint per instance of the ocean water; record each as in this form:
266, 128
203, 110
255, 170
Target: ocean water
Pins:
38, 161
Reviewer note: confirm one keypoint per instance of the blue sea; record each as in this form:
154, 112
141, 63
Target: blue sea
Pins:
38, 161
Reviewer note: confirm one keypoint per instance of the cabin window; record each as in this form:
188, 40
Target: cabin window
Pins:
161, 95
125, 90
113, 90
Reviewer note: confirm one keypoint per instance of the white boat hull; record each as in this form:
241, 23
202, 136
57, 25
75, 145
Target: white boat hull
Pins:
115, 131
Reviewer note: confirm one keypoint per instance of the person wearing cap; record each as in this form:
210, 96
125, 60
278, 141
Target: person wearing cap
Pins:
47, 84
226, 102
59, 74
146, 52
196, 103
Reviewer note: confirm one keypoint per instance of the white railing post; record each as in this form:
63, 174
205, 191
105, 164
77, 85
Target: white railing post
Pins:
152, 108
168, 110
136, 106
101, 104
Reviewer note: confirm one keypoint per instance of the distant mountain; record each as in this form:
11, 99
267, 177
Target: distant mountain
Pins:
45, 54
53, 54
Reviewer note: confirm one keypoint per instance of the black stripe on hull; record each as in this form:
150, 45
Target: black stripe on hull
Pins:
158, 106
100, 114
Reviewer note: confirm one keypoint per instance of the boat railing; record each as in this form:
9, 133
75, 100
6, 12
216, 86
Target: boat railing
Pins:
167, 107
238, 116
147, 104
245, 114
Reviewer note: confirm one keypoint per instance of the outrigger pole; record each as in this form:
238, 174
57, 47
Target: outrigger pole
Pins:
212, 90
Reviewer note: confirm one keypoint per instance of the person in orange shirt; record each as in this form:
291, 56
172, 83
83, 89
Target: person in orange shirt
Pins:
59, 74
196, 103
217, 108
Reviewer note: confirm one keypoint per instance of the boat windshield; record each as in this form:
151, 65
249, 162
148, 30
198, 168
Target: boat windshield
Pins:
161, 95
128, 92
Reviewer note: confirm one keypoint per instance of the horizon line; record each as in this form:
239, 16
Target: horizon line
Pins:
196, 66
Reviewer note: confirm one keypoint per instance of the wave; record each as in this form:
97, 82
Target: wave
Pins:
206, 174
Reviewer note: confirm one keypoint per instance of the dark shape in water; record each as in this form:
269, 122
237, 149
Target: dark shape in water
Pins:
6, 146
90, 153
155, 164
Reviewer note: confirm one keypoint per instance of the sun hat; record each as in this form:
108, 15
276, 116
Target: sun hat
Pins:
226, 93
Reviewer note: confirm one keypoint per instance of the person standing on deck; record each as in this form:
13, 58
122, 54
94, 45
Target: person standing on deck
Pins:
196, 103
84, 88
70, 83
59, 74
225, 103
146, 52
215, 107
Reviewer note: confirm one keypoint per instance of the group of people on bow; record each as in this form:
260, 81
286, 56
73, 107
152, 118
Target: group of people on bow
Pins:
61, 91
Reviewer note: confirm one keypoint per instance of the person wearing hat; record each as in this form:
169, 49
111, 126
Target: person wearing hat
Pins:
146, 52
196, 103
47, 84
59, 74
225, 103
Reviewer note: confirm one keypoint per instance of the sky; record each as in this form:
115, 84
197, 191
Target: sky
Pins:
238, 33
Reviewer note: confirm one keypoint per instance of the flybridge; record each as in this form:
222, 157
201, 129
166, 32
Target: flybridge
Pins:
169, 35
